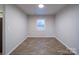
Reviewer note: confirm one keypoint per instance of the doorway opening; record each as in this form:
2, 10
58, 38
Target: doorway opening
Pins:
0, 35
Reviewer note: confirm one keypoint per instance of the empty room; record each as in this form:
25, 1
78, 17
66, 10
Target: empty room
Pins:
40, 29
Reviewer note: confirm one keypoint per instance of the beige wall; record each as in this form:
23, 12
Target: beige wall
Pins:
15, 27
67, 27
49, 26
1, 10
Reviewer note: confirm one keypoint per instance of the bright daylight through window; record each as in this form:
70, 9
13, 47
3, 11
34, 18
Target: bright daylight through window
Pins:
40, 24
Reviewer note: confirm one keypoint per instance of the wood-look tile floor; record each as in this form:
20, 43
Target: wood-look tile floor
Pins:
41, 46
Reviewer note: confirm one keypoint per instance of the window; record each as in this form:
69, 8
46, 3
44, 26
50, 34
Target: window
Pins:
40, 24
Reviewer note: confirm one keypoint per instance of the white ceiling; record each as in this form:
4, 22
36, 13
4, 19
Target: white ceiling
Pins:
49, 9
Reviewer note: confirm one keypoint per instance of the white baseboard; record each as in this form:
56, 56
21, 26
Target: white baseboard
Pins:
40, 36
16, 46
67, 46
